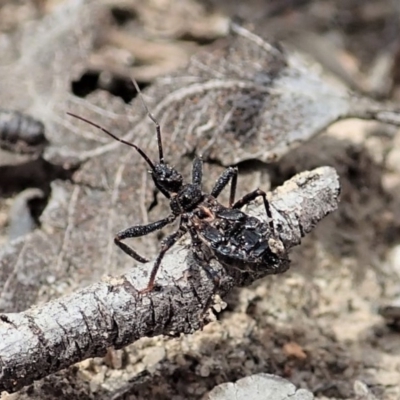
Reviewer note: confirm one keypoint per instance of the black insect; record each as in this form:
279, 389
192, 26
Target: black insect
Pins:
20, 132
234, 237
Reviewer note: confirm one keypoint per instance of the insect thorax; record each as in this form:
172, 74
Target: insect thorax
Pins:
186, 199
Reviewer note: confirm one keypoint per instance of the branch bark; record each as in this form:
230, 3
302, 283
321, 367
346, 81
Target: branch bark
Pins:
49, 337
369, 109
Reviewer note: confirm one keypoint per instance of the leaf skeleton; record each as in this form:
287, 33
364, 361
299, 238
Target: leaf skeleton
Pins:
233, 237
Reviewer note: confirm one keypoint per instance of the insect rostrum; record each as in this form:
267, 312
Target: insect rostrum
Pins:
231, 235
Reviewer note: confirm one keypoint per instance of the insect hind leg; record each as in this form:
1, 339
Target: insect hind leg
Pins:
246, 199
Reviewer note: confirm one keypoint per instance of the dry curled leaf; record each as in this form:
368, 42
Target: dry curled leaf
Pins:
248, 99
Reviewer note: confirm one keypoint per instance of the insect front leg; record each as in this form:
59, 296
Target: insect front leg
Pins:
197, 172
166, 244
140, 230
246, 199
230, 173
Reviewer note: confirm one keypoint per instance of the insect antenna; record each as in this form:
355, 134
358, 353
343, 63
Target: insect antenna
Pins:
151, 116
139, 150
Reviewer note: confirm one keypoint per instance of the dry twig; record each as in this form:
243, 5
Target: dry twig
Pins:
47, 338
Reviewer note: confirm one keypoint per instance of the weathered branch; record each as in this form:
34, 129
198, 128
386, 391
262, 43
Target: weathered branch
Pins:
369, 109
47, 338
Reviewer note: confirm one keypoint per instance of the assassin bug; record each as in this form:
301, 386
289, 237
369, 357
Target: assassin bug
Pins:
234, 237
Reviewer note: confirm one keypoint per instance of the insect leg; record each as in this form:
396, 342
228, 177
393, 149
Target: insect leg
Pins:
250, 197
166, 244
140, 230
223, 180
197, 172
163, 191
